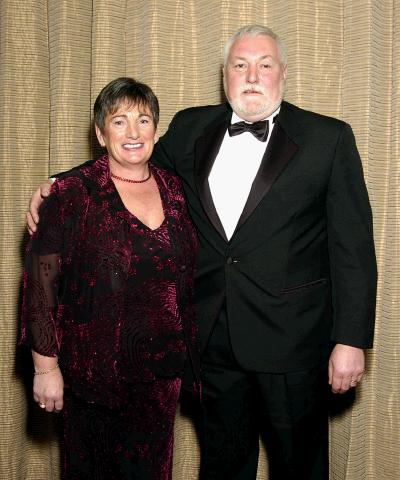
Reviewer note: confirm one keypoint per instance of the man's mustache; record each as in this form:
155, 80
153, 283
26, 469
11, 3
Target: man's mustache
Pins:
252, 88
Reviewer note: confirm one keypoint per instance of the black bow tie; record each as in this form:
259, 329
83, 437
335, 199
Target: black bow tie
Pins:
258, 129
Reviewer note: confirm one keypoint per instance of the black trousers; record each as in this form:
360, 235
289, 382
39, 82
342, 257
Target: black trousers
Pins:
288, 410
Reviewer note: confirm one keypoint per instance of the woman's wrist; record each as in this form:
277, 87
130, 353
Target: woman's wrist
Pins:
44, 372
44, 364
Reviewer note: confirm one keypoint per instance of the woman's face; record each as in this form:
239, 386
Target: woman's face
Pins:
129, 136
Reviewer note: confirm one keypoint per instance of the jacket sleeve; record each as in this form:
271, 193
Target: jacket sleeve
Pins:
39, 328
163, 154
351, 247
72, 171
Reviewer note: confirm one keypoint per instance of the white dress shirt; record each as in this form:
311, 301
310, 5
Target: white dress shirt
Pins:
234, 171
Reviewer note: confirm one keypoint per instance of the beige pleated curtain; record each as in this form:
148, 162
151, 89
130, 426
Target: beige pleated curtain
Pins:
55, 55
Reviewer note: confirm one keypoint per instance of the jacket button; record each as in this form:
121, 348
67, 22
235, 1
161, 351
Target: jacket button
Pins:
229, 260
182, 268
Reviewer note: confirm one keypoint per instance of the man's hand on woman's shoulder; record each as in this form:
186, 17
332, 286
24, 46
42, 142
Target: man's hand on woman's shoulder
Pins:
32, 216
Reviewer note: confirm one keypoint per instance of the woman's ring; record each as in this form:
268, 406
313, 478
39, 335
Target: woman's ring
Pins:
42, 405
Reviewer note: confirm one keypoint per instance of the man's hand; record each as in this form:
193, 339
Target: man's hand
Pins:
32, 217
346, 367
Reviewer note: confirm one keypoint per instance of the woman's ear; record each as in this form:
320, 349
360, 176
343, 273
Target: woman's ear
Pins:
99, 135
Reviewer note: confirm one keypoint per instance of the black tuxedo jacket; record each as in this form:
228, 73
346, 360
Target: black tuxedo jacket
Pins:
299, 272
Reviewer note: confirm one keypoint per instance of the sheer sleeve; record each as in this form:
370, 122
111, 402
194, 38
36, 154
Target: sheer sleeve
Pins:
39, 327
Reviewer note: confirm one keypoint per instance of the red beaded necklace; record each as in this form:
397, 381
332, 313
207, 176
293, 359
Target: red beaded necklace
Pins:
129, 180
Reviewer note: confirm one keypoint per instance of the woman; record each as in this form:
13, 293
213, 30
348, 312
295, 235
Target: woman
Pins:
107, 298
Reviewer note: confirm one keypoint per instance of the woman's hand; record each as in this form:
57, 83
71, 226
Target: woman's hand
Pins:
48, 390
48, 383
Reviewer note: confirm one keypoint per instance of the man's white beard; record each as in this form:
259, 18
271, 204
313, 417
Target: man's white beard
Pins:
240, 109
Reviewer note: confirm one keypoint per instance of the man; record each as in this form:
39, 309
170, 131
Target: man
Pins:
285, 289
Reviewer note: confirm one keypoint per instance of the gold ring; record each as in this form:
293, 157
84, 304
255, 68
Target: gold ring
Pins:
42, 405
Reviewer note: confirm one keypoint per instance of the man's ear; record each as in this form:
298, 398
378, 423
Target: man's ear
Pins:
285, 72
99, 135
224, 78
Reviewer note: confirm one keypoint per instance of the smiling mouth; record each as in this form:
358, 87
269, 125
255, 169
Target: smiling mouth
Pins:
132, 146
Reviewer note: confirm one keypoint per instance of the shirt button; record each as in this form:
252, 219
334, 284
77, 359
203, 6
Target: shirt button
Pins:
182, 268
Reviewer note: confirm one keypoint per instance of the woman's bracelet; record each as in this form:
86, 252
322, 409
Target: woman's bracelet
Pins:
43, 372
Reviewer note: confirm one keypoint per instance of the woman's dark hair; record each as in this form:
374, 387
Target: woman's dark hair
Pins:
124, 90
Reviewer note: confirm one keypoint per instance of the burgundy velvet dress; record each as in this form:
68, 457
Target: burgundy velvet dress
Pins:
113, 300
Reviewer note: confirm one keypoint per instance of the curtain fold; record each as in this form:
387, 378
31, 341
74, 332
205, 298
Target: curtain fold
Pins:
55, 56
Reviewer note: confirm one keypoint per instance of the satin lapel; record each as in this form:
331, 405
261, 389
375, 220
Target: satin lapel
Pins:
277, 155
206, 150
